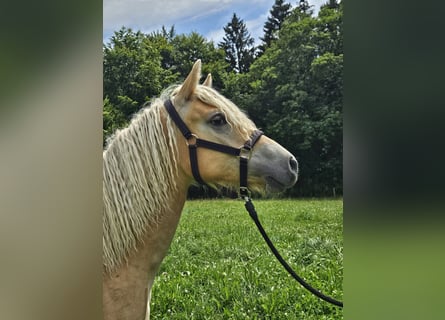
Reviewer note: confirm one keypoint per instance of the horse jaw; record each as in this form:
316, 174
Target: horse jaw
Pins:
189, 85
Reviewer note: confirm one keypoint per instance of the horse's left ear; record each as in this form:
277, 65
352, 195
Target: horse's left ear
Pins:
189, 85
208, 81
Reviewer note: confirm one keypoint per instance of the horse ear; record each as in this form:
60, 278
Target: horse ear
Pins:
208, 81
189, 85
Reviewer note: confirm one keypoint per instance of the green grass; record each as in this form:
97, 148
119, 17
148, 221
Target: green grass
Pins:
219, 267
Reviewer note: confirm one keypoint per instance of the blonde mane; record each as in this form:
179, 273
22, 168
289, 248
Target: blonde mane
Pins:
139, 172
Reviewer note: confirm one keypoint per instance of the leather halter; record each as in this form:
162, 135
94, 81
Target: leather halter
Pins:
244, 153
193, 142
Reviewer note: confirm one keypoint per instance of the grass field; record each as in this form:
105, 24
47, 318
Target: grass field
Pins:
219, 267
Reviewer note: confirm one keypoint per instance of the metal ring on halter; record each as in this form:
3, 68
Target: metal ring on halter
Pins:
244, 193
192, 137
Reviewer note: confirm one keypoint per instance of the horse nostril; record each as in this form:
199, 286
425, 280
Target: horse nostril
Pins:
293, 163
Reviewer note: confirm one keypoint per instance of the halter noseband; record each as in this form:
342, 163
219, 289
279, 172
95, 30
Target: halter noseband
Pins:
193, 142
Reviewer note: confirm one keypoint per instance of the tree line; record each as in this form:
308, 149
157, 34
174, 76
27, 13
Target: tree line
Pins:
291, 85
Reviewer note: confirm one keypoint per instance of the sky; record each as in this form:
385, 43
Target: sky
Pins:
207, 17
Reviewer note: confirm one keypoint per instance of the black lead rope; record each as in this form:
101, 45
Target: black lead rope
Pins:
253, 214
244, 154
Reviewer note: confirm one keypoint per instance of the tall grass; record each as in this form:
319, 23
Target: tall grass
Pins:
219, 267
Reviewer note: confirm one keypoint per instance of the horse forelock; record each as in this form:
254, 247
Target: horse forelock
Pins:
139, 173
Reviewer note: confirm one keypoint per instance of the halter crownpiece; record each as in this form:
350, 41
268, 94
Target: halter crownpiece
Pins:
193, 142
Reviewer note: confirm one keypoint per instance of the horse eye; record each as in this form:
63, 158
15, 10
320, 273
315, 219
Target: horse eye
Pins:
218, 120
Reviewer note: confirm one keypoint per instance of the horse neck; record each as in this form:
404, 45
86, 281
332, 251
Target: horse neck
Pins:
126, 292
127, 287
141, 181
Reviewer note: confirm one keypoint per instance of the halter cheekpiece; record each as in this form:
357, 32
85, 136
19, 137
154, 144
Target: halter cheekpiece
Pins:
194, 142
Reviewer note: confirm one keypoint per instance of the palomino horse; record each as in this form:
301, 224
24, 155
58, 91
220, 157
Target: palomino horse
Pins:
146, 174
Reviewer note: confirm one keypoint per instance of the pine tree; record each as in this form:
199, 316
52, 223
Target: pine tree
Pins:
305, 9
332, 4
278, 13
238, 45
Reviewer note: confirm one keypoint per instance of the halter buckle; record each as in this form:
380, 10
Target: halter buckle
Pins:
245, 152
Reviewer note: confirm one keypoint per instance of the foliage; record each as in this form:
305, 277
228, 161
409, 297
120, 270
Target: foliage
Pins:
304, 8
132, 74
189, 48
296, 97
132, 70
238, 45
293, 91
113, 118
277, 15
137, 67
219, 267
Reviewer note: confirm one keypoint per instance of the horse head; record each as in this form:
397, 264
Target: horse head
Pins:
148, 167
212, 117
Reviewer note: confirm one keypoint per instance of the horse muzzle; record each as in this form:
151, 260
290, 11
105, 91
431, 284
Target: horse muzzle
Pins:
277, 167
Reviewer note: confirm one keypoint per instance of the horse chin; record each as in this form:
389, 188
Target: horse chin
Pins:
274, 186
270, 185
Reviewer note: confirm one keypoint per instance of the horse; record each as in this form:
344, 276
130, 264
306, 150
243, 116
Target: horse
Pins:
147, 170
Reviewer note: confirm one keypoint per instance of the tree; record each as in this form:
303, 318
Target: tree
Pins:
162, 41
332, 4
238, 45
113, 119
188, 48
132, 75
131, 70
293, 91
136, 67
302, 11
278, 14
296, 97
304, 8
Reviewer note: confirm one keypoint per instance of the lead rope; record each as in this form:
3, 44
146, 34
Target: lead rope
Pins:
253, 214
